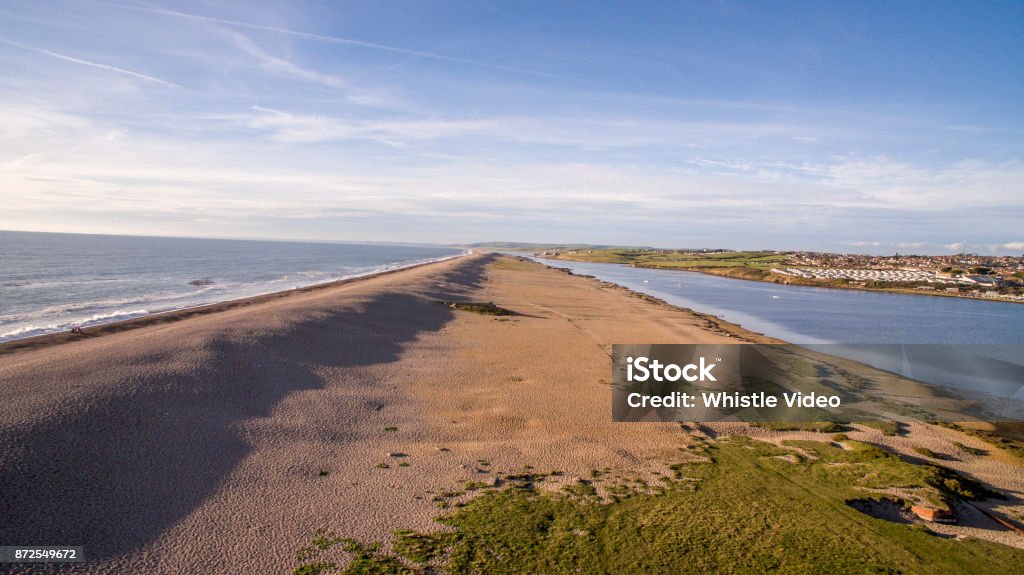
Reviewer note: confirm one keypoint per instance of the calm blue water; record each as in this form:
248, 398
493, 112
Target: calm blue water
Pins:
808, 315
976, 345
50, 282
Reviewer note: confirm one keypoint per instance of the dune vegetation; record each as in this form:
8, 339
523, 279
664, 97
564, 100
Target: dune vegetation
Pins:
738, 506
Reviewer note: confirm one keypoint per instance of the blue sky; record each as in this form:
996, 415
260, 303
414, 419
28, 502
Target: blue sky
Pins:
857, 126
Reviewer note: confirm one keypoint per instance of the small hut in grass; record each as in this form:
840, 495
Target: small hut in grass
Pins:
933, 514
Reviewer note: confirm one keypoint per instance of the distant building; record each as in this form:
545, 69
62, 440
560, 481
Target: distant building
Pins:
985, 280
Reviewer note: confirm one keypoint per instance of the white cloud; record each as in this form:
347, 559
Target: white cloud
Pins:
886, 184
304, 128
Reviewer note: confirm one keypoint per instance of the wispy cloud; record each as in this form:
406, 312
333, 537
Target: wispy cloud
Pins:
98, 65
280, 65
303, 128
346, 41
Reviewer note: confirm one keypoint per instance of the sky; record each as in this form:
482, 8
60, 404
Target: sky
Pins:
868, 127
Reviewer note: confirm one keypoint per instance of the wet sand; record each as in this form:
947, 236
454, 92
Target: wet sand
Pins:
220, 442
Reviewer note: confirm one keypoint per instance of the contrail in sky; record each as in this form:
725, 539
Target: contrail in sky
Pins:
67, 58
339, 40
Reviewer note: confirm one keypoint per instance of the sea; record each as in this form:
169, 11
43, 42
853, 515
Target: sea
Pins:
51, 282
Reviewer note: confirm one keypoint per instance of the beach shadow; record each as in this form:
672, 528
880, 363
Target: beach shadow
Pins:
461, 281
114, 475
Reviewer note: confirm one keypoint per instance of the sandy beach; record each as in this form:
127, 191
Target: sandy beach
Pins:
198, 445
220, 442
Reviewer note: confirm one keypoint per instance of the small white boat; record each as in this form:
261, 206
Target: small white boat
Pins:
776, 297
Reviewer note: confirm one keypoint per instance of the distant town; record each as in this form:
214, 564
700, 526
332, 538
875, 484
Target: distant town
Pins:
998, 277
961, 275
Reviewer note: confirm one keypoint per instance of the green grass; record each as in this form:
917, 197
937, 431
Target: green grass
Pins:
673, 259
581, 489
488, 308
1006, 436
865, 465
886, 427
512, 264
364, 559
969, 449
747, 512
819, 426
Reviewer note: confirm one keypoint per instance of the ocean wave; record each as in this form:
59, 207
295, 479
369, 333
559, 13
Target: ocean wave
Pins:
63, 317
42, 284
102, 305
94, 319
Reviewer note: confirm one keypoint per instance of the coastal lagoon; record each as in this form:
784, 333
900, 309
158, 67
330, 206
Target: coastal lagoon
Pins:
974, 344
50, 282
809, 315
